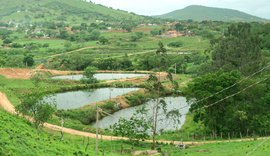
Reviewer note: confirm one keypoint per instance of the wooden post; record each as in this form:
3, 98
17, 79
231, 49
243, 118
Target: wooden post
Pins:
241, 136
221, 135
97, 116
175, 69
62, 128
229, 137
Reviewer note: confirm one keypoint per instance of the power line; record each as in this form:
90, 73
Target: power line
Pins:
232, 95
242, 80
248, 154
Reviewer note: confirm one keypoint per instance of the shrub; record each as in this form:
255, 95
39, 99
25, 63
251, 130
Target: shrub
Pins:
175, 44
137, 99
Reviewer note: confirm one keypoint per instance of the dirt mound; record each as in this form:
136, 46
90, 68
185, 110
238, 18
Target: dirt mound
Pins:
22, 73
41, 66
16, 73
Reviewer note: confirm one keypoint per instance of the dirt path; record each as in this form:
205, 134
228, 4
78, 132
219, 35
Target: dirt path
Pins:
69, 52
6, 104
136, 53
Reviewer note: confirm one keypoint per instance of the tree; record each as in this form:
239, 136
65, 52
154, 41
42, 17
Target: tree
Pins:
28, 60
179, 27
36, 78
136, 36
155, 87
135, 128
103, 40
155, 32
238, 50
246, 111
34, 106
175, 44
162, 57
126, 63
201, 87
94, 35
7, 41
127, 27
89, 75
64, 34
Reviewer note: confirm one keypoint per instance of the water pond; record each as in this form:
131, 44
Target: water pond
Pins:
77, 99
101, 76
163, 123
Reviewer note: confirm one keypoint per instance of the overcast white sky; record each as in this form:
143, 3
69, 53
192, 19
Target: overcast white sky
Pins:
259, 8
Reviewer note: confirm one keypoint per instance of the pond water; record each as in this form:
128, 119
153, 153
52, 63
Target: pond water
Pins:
101, 76
163, 123
77, 99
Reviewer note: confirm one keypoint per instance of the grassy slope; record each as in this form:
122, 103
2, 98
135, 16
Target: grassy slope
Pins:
54, 8
18, 137
200, 13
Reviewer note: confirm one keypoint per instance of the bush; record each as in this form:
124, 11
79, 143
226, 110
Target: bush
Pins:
109, 106
86, 116
89, 75
137, 99
175, 44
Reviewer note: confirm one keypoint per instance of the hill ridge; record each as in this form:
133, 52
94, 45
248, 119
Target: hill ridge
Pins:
201, 13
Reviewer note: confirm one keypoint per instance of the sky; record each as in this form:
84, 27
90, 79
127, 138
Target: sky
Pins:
259, 8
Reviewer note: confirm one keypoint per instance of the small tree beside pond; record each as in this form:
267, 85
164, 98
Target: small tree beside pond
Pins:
33, 106
136, 128
88, 75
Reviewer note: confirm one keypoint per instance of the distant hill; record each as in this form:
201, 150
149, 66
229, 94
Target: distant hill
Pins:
201, 13
71, 11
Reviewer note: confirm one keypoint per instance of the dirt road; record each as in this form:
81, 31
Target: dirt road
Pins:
69, 52
6, 104
24, 73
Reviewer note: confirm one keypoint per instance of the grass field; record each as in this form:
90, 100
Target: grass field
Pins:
18, 137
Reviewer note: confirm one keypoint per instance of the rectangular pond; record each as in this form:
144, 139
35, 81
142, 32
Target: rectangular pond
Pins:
101, 76
77, 99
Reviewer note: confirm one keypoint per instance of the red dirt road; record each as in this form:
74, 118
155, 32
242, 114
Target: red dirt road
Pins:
23, 73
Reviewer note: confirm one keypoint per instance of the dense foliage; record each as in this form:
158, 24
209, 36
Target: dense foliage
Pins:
239, 50
229, 99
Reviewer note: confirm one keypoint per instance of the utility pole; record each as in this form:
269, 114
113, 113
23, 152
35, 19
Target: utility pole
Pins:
62, 128
97, 116
175, 69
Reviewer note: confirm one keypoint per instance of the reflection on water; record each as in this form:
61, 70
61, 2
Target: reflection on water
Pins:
163, 123
77, 99
101, 76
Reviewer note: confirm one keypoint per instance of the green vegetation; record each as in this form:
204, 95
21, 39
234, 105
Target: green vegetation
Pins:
89, 75
34, 106
202, 13
209, 61
137, 98
227, 102
71, 11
